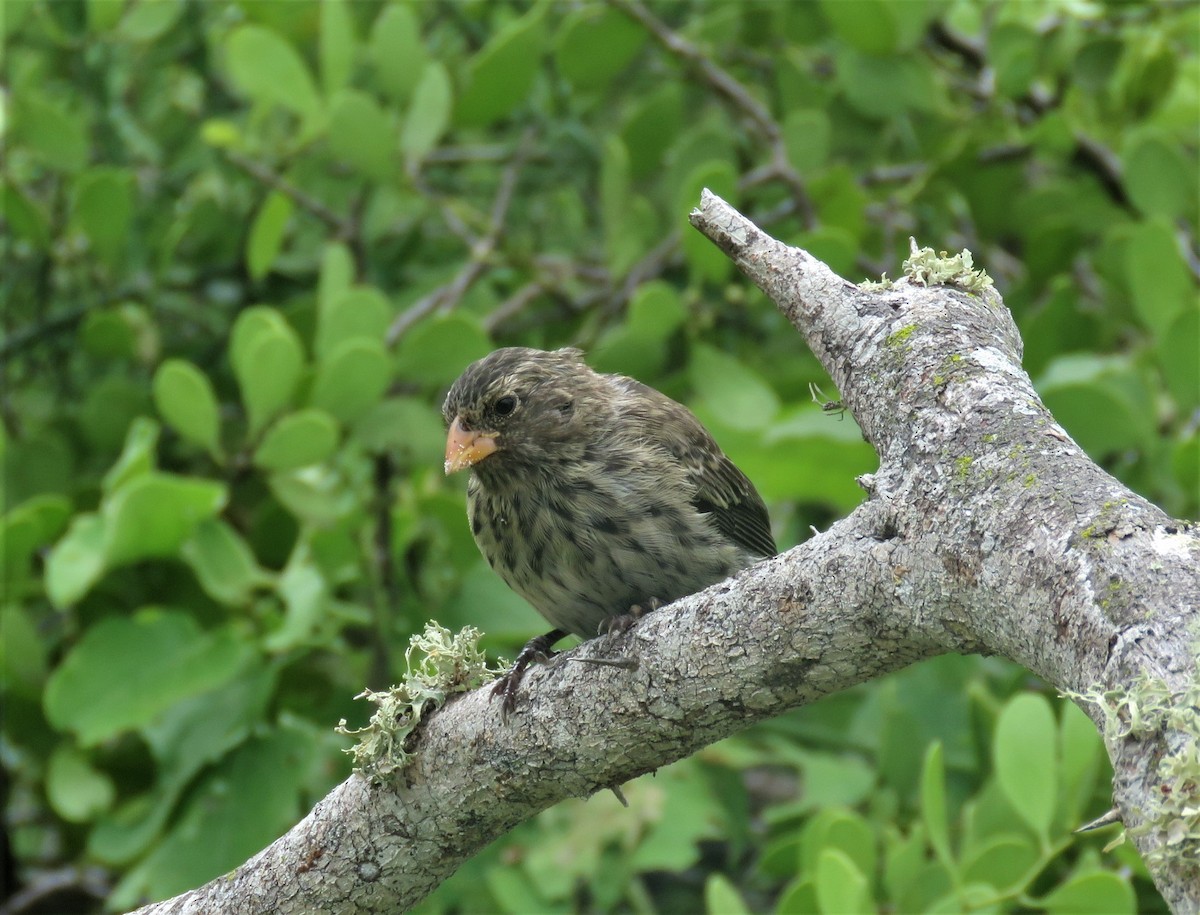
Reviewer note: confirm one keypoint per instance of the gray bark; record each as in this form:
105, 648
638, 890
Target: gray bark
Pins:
987, 529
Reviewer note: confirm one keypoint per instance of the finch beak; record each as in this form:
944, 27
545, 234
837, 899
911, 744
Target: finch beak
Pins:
466, 447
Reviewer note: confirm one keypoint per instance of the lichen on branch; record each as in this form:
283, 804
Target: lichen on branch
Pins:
438, 664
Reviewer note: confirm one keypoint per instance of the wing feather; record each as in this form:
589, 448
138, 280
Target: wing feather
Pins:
722, 490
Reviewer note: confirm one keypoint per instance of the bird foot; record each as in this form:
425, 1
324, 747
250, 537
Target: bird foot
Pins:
623, 622
536, 650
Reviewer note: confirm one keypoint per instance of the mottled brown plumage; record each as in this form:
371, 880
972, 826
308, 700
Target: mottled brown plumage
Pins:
592, 494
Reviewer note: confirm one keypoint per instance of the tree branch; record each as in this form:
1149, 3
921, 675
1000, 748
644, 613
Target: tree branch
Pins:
986, 530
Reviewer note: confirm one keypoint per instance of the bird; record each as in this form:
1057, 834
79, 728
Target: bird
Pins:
595, 497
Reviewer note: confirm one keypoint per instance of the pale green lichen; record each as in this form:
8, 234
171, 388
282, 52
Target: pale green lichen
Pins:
1149, 706
962, 466
882, 285
896, 338
929, 269
439, 664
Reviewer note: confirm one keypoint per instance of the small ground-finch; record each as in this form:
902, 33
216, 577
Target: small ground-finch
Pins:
593, 495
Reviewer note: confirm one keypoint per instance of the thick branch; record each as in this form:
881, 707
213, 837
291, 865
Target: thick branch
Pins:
987, 530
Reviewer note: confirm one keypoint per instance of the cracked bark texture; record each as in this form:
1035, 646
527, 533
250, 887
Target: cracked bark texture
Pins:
986, 529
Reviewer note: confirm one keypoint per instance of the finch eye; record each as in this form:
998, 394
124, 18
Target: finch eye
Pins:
505, 405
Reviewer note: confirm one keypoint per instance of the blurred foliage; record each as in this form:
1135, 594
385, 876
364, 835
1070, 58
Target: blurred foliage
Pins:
248, 244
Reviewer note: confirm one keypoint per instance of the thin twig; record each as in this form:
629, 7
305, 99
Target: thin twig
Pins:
343, 228
445, 298
514, 305
733, 91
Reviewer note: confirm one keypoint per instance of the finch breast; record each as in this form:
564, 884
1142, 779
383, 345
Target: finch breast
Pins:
587, 542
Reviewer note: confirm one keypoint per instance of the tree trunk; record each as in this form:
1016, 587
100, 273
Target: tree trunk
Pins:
987, 529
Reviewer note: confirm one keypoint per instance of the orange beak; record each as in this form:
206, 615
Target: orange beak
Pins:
466, 447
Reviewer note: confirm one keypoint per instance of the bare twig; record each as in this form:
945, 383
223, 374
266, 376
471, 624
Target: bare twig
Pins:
343, 228
445, 298
734, 92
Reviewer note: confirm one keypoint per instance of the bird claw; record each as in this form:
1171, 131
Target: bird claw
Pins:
623, 622
536, 651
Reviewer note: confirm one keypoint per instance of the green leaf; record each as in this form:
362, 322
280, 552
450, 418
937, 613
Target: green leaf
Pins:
595, 45
138, 457
1177, 350
22, 653
336, 45
409, 428
884, 88
1185, 463
361, 133
829, 779
1006, 863
731, 390
798, 898
904, 857
306, 595
868, 25
621, 242
337, 275
651, 124
251, 798
28, 526
266, 233
103, 15
268, 360
1023, 752
1158, 278
933, 803
351, 379
841, 887
103, 211
1080, 752
638, 346
1013, 51
77, 791
184, 739
807, 134
429, 114
127, 670
358, 313
297, 440
56, 136
844, 830
312, 494
153, 514
145, 22
270, 71
500, 76
1158, 177
833, 245
1102, 893
398, 53
722, 898
437, 349
109, 407
1092, 398
26, 219
223, 562
185, 398
108, 334
76, 562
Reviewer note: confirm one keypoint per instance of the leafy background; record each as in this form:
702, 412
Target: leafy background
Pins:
249, 244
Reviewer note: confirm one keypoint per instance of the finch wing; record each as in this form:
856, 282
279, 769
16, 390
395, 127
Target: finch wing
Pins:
722, 490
